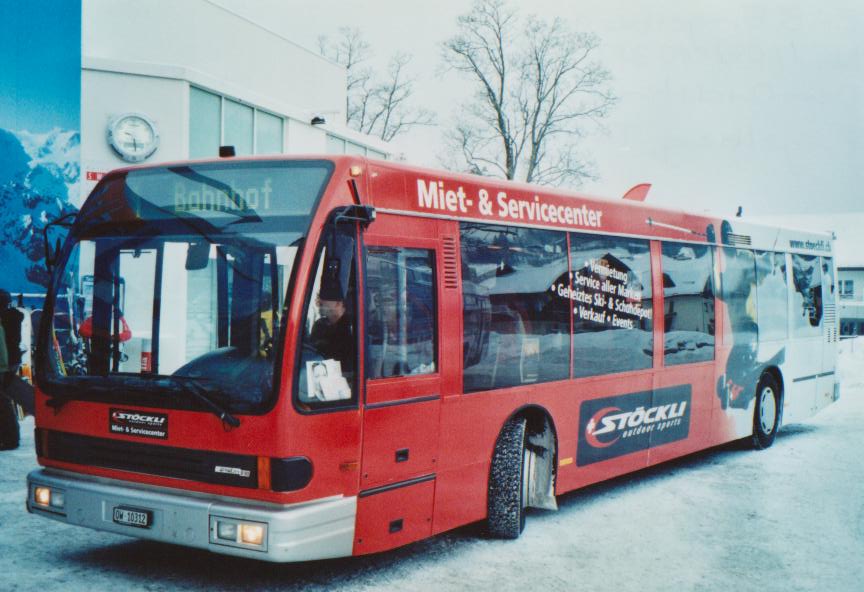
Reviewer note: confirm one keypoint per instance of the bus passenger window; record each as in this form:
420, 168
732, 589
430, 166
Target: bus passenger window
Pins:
516, 321
400, 319
772, 296
326, 374
828, 282
738, 293
807, 298
688, 303
612, 304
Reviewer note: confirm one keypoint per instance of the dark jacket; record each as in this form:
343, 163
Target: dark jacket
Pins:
4, 358
335, 341
11, 319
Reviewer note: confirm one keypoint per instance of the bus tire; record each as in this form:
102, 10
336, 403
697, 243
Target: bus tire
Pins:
766, 412
10, 432
506, 511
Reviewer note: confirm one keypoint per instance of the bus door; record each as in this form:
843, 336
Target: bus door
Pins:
684, 380
403, 383
806, 337
826, 379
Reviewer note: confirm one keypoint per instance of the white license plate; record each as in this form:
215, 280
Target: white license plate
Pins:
133, 517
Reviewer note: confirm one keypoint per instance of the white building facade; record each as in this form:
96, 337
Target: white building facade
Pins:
205, 77
850, 288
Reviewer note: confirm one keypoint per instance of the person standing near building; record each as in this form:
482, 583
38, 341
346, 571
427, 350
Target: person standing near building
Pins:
11, 319
9, 430
10, 358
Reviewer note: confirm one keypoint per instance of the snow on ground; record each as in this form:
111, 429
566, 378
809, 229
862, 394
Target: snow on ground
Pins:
788, 518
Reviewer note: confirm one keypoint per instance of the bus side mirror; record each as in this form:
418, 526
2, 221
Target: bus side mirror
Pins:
52, 254
365, 215
198, 256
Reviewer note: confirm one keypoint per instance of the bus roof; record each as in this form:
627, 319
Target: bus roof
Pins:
412, 190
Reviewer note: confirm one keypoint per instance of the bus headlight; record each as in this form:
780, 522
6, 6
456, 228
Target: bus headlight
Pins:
238, 533
48, 498
42, 496
252, 534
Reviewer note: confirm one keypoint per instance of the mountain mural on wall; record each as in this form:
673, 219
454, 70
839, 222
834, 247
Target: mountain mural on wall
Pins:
39, 182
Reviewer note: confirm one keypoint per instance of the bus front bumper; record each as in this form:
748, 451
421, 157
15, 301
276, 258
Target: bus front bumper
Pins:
313, 530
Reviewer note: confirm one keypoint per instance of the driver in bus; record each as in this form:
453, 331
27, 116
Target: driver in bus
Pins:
332, 334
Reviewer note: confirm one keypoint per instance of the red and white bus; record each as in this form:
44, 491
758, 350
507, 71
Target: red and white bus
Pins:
300, 358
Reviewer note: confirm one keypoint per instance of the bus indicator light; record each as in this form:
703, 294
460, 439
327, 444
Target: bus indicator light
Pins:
251, 534
42, 496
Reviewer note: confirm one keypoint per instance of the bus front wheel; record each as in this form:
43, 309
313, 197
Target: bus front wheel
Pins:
507, 495
766, 415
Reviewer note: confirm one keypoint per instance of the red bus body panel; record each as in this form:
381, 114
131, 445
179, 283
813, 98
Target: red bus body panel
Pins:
416, 450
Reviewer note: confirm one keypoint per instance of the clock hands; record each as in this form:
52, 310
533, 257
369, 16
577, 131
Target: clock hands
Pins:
134, 141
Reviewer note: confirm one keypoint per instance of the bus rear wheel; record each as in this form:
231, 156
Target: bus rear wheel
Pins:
766, 415
507, 482
10, 432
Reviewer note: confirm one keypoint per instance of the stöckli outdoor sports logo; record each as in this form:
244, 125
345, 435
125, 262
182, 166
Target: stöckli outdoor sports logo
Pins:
614, 426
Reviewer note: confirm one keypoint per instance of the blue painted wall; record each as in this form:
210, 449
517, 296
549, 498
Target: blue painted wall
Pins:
40, 123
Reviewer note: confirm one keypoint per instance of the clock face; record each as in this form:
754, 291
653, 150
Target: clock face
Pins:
133, 137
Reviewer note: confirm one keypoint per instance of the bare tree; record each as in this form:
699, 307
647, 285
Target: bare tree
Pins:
351, 51
376, 106
538, 89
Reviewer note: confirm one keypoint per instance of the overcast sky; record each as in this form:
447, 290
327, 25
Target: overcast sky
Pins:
758, 103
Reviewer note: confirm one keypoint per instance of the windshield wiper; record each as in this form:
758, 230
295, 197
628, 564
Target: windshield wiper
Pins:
201, 393
181, 384
57, 400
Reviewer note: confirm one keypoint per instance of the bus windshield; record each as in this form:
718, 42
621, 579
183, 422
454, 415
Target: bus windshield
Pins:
177, 277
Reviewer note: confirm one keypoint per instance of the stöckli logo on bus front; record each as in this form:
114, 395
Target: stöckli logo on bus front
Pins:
138, 423
619, 425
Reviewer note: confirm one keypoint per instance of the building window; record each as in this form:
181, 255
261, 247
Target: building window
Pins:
353, 148
205, 123
238, 127
216, 121
268, 133
688, 300
401, 319
847, 289
337, 145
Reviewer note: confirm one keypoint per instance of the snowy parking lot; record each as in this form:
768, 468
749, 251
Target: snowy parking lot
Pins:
787, 518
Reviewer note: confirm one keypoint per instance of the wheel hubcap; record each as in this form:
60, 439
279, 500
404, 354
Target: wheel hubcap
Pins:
767, 410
